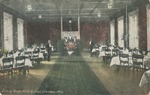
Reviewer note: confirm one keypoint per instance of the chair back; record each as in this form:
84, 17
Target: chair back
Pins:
107, 52
124, 59
35, 54
10, 54
7, 63
42, 50
138, 61
104, 48
115, 52
20, 61
27, 54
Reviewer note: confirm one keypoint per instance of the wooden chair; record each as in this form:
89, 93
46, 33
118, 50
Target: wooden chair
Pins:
7, 65
20, 64
35, 58
42, 50
147, 60
124, 62
27, 54
115, 52
35, 54
107, 55
138, 64
10, 54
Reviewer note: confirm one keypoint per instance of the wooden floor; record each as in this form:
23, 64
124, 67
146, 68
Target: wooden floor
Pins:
71, 75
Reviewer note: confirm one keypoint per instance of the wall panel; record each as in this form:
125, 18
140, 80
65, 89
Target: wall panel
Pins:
98, 31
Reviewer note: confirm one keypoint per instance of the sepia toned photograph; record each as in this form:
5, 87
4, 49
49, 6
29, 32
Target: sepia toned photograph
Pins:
74, 47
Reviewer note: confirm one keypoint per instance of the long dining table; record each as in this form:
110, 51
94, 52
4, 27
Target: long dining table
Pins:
27, 63
116, 62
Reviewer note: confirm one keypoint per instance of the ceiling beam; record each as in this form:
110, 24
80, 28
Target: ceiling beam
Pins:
56, 5
51, 10
32, 14
95, 7
80, 8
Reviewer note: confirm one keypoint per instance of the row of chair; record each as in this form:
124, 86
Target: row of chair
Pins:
9, 66
136, 62
34, 57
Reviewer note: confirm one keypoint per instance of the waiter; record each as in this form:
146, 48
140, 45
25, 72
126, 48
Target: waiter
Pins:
49, 49
91, 43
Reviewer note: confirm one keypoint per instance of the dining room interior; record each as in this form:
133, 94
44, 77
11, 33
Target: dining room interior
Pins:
74, 47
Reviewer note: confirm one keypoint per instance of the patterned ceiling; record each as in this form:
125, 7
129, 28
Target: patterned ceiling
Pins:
54, 9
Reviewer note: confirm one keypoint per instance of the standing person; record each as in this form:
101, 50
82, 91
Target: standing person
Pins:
49, 49
91, 43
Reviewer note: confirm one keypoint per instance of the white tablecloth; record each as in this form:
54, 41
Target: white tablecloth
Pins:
41, 55
145, 79
27, 63
115, 61
70, 52
147, 62
102, 53
1, 62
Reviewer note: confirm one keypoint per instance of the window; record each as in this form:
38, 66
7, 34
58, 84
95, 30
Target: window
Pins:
112, 32
133, 30
148, 27
120, 32
70, 24
20, 33
8, 31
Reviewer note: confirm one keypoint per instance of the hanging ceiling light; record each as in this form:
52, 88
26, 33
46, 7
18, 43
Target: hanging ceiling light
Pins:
40, 16
29, 7
69, 12
99, 14
70, 20
110, 4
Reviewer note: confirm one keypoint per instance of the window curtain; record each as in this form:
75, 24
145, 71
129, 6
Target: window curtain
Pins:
112, 32
148, 27
120, 32
8, 31
133, 30
20, 33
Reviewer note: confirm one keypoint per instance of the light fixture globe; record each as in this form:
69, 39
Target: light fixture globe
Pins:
99, 14
29, 7
40, 16
109, 5
70, 21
